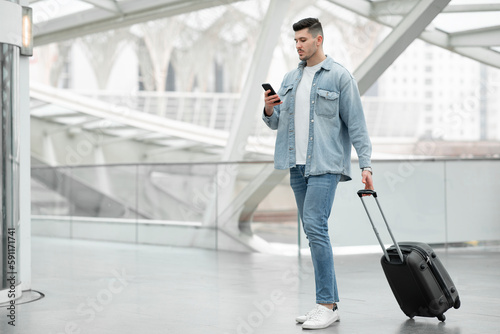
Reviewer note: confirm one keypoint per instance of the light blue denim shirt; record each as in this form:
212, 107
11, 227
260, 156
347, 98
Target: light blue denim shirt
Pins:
336, 122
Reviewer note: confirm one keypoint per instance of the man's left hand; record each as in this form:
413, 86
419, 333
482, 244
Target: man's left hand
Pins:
367, 180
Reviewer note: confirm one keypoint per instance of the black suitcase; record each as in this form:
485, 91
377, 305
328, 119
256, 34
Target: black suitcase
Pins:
418, 279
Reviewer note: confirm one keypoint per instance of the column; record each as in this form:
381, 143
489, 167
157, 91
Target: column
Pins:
10, 42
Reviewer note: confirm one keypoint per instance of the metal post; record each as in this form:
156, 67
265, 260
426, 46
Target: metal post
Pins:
9, 164
10, 49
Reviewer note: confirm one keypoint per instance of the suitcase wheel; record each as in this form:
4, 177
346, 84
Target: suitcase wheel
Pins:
441, 317
457, 303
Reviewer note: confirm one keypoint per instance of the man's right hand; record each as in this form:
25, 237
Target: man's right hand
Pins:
270, 102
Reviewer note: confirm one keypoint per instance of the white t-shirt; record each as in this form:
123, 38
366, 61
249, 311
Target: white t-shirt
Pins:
302, 111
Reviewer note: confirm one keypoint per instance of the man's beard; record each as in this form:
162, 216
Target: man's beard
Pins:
307, 57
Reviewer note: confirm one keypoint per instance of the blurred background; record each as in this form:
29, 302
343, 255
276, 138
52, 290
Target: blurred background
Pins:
145, 118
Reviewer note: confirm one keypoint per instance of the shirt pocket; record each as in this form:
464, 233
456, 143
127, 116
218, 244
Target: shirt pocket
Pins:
285, 96
327, 103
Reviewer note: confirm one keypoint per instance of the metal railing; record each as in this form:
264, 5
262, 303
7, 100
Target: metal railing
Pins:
211, 110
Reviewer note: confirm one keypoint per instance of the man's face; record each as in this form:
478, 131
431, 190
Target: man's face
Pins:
306, 44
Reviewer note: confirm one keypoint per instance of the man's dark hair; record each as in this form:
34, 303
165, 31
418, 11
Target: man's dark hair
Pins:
312, 24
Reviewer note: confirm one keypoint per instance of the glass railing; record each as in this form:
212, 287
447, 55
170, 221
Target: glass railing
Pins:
249, 206
207, 205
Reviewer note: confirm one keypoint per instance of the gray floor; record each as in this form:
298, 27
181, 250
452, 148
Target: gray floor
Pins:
99, 287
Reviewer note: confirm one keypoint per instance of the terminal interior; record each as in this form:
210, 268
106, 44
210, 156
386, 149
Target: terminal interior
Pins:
139, 191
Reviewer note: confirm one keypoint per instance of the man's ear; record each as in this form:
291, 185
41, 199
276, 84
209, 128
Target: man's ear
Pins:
320, 39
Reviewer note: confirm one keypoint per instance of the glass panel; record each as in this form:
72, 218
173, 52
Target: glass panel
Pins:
472, 200
50, 192
226, 215
269, 224
436, 100
51, 204
454, 22
104, 191
275, 219
175, 201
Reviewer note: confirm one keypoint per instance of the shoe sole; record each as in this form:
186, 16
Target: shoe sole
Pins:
335, 319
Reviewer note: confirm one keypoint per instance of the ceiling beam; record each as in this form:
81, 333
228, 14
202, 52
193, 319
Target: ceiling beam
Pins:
97, 20
392, 7
397, 41
398, 7
361, 7
481, 54
485, 7
119, 139
177, 147
489, 36
66, 127
109, 5
50, 117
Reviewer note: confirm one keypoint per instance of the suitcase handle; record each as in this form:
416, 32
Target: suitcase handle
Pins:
374, 193
367, 192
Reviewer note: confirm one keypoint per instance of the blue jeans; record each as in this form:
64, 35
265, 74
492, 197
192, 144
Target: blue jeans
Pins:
314, 196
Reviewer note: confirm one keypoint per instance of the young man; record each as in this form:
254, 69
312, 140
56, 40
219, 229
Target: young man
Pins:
318, 115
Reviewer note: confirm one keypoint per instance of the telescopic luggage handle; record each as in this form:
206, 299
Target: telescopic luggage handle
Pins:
367, 192
374, 194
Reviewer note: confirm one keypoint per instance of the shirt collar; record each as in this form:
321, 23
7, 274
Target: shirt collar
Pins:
327, 63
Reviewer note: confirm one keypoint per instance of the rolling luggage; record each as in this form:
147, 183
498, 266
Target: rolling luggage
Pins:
418, 279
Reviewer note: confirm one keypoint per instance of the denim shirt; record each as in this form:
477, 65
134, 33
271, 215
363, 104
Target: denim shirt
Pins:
336, 122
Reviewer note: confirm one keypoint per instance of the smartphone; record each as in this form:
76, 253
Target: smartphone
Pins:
267, 87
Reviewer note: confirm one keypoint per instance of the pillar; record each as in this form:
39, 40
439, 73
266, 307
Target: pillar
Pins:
11, 14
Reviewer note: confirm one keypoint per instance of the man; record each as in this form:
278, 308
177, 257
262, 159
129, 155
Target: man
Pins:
318, 115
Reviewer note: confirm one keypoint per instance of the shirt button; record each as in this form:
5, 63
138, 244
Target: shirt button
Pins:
312, 102
312, 120
311, 138
309, 157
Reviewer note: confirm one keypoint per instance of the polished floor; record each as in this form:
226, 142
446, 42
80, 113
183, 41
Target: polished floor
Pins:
104, 288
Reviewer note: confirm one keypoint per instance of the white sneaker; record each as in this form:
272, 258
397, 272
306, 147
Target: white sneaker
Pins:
302, 318
321, 317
